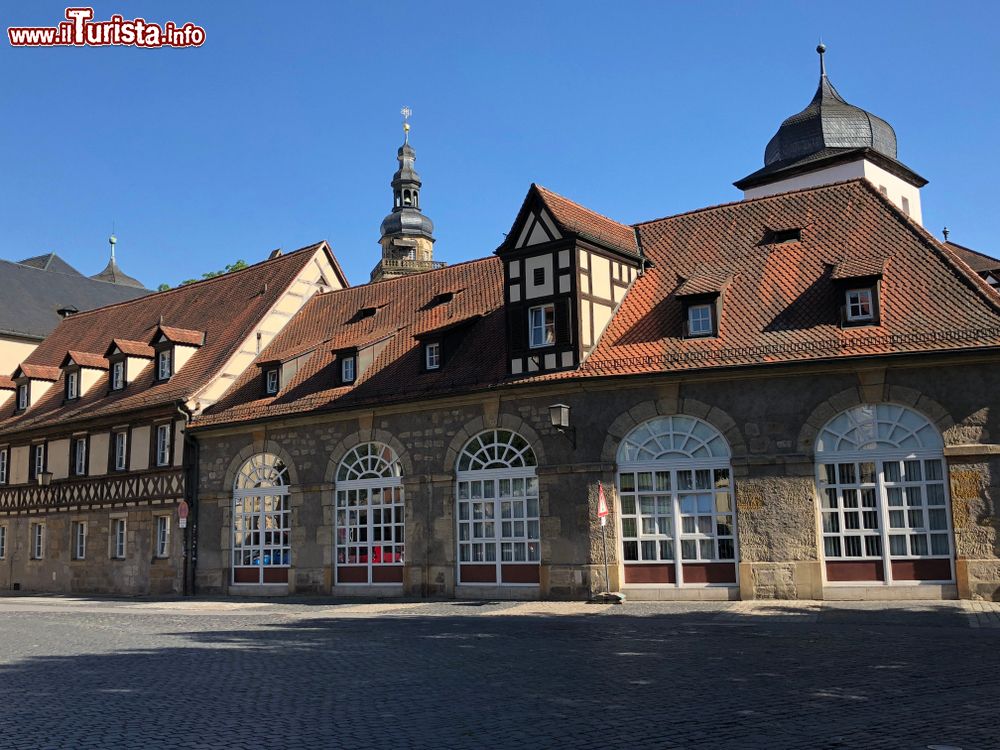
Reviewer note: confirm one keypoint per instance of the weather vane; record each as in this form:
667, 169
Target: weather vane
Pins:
406, 112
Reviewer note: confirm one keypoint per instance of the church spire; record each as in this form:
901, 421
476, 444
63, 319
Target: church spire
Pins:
406, 234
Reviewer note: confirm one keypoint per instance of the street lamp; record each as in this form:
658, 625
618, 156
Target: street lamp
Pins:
559, 417
44, 478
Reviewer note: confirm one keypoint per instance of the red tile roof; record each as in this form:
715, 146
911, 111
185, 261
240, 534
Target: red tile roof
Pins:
181, 335
587, 223
781, 305
706, 283
858, 268
86, 359
397, 372
977, 261
226, 307
6, 384
38, 371
131, 348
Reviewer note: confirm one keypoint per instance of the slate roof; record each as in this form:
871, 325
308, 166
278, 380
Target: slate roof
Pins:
35, 288
227, 308
781, 305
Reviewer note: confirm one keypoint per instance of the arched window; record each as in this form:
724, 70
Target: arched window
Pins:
260, 521
677, 517
369, 498
883, 494
498, 514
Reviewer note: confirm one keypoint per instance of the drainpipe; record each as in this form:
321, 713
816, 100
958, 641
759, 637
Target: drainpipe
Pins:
191, 456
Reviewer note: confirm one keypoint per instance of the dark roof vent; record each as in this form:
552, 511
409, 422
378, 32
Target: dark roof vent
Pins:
65, 312
363, 314
782, 236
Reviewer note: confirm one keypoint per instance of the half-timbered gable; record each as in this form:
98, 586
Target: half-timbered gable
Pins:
566, 269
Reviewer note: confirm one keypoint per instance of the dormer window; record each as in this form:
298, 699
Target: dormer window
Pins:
272, 379
432, 355
22, 396
542, 326
118, 375
699, 320
860, 305
164, 364
72, 385
348, 368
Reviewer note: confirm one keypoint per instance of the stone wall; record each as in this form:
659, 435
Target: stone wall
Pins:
140, 572
770, 423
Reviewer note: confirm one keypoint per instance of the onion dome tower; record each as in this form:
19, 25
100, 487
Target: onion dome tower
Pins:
407, 237
829, 141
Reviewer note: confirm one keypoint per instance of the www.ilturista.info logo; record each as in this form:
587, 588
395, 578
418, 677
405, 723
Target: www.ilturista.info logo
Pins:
80, 30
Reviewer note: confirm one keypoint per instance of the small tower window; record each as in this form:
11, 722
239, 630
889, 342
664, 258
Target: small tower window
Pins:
542, 326
906, 205
406, 198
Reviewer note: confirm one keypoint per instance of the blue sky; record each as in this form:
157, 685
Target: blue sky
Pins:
282, 129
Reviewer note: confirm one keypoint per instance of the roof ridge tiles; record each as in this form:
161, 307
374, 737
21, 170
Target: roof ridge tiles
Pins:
745, 201
201, 282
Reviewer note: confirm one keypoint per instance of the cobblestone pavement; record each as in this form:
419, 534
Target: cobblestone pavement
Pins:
91, 673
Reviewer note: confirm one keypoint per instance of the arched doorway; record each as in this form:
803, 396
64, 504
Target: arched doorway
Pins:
497, 511
260, 522
678, 524
883, 495
369, 505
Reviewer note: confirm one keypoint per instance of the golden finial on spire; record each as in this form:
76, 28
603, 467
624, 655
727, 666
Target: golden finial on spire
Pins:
406, 112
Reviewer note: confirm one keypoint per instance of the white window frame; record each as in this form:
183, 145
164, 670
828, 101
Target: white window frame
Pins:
497, 515
72, 385
162, 541
79, 540
348, 368
119, 537
699, 319
163, 444
432, 355
858, 299
121, 449
260, 525
118, 375
4, 458
164, 364
22, 397
38, 541
370, 512
667, 520
80, 457
273, 381
3, 542
542, 326
38, 456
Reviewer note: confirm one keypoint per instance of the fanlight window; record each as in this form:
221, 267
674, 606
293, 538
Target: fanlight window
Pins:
873, 427
672, 437
369, 461
496, 449
264, 470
